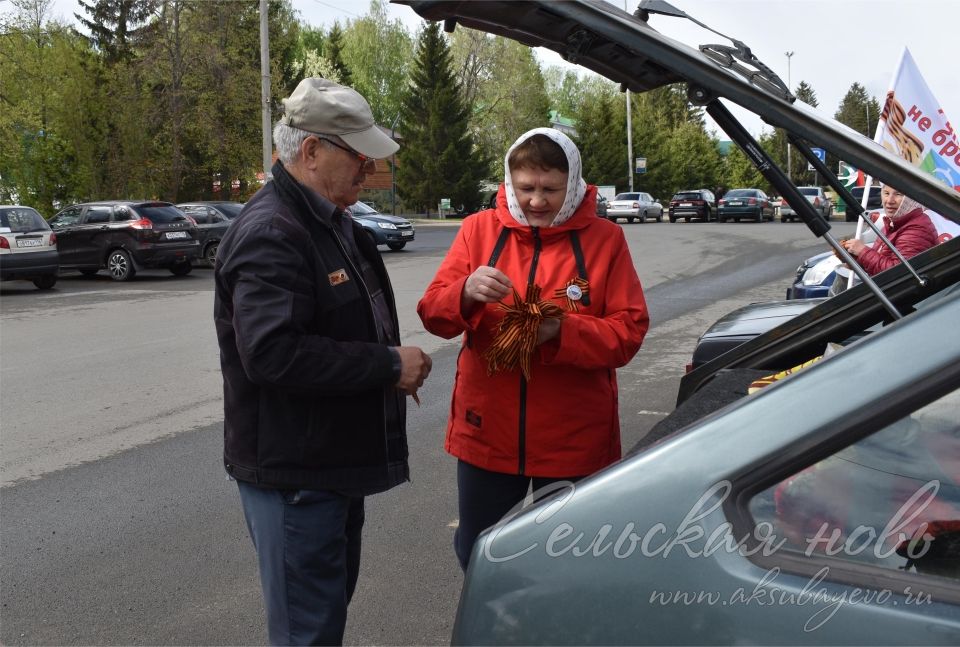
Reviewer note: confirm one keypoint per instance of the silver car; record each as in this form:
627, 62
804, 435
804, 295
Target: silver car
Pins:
28, 248
822, 509
634, 206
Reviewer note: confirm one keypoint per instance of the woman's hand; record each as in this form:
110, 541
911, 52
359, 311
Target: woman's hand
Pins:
854, 246
486, 285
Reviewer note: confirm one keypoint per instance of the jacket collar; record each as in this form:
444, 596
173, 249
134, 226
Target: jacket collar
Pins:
303, 196
899, 223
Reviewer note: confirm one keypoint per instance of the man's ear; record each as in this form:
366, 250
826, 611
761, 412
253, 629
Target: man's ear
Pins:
309, 150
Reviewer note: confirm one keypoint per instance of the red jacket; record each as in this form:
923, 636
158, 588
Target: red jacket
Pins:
911, 234
564, 421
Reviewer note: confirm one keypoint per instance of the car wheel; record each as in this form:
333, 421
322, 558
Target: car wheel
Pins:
760, 217
721, 219
181, 269
120, 265
89, 272
660, 216
672, 219
210, 253
630, 220
396, 246
612, 218
46, 281
736, 220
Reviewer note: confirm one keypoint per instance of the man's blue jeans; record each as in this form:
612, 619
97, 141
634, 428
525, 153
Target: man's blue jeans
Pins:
308, 551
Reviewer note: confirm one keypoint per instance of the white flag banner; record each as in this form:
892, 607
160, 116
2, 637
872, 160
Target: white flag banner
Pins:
913, 126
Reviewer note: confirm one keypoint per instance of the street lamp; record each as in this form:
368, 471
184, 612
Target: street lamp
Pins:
789, 89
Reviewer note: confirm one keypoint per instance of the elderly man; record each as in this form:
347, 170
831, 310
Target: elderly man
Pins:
314, 377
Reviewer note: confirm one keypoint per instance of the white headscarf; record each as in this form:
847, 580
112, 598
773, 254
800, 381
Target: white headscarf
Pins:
906, 205
576, 187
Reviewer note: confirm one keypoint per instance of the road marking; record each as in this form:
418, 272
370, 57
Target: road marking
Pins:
644, 412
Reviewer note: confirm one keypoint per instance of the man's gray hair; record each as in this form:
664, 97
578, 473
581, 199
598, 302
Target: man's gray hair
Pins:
287, 140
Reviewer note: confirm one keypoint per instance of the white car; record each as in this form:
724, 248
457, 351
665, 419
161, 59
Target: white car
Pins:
28, 248
634, 206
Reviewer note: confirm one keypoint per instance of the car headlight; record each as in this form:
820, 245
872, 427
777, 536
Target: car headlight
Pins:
386, 225
816, 274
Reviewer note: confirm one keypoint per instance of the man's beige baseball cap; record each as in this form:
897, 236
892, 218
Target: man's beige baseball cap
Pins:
323, 107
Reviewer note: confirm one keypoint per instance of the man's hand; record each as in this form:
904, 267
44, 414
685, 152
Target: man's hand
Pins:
486, 285
415, 367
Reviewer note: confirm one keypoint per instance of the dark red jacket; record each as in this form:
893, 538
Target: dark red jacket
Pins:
911, 234
564, 421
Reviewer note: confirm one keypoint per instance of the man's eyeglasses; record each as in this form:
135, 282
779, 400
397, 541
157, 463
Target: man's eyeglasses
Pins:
367, 164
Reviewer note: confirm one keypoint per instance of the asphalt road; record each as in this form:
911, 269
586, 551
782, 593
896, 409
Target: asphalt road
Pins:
117, 525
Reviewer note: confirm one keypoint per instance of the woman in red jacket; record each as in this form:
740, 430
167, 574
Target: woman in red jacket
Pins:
906, 225
562, 423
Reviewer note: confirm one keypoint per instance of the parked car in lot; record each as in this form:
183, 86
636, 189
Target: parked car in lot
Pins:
815, 196
698, 203
874, 201
770, 518
634, 206
383, 229
28, 249
125, 236
212, 220
744, 203
601, 206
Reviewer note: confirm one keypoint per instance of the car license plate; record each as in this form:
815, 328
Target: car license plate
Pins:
735, 204
406, 233
177, 234
686, 204
29, 242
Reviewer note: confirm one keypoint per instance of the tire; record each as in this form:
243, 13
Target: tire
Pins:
120, 265
612, 219
210, 253
721, 219
89, 272
660, 216
45, 282
630, 220
672, 219
706, 215
760, 217
397, 246
181, 269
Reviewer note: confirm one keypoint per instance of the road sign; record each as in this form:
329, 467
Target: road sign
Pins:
641, 166
821, 155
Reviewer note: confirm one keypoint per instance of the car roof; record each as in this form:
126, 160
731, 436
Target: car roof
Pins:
626, 49
97, 203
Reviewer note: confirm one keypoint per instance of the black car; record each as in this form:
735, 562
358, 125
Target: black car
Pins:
28, 249
873, 201
745, 203
699, 203
382, 229
124, 237
212, 220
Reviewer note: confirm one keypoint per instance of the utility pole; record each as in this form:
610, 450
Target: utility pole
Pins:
629, 132
265, 90
789, 89
393, 168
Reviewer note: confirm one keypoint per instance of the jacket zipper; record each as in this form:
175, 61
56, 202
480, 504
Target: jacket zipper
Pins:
376, 327
522, 453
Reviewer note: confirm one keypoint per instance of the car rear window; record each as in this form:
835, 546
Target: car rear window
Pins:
159, 213
693, 195
362, 209
741, 193
627, 196
230, 209
22, 220
809, 190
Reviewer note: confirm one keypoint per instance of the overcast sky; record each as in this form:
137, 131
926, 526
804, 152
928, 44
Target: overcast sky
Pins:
835, 42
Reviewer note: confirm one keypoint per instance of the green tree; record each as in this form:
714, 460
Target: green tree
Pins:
115, 25
438, 158
333, 52
602, 144
856, 108
378, 53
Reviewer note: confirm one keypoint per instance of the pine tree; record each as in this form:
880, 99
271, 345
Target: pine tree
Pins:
854, 108
333, 52
438, 158
603, 148
113, 25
